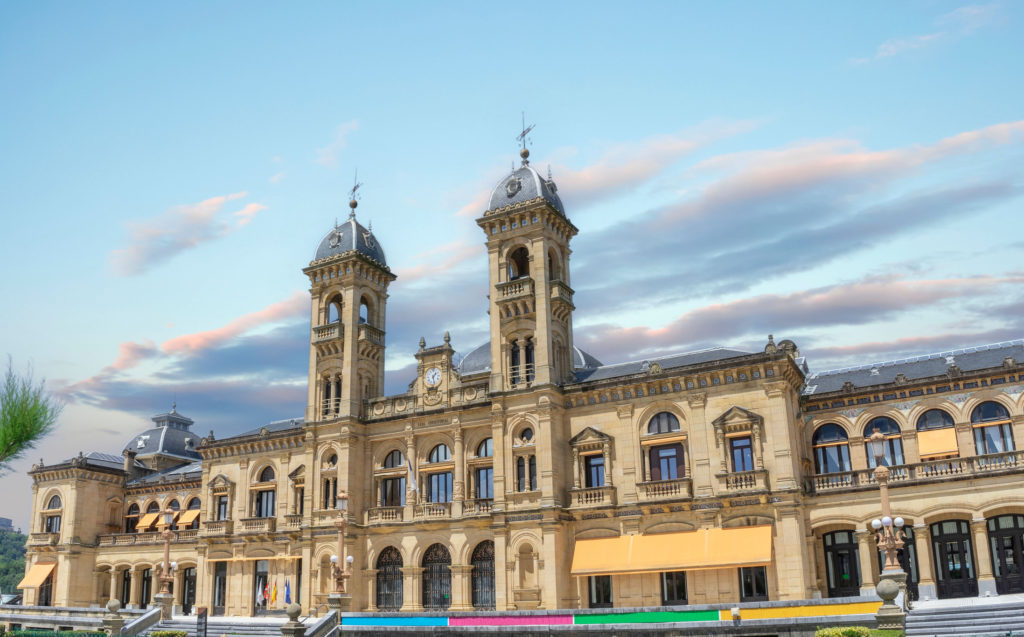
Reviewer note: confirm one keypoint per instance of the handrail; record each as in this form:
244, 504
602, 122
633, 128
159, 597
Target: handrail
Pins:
136, 626
327, 625
313, 613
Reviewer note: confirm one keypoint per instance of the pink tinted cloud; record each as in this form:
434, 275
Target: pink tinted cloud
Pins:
176, 230
295, 306
440, 260
130, 354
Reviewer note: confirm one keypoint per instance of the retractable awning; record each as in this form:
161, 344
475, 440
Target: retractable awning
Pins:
693, 550
935, 443
37, 575
187, 517
146, 521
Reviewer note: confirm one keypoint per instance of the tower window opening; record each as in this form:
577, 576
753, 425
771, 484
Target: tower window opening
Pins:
518, 264
514, 362
364, 311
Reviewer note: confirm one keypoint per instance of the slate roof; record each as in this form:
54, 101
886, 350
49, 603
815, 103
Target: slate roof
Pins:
271, 427
524, 184
165, 440
349, 236
968, 359
479, 360
106, 460
190, 471
667, 362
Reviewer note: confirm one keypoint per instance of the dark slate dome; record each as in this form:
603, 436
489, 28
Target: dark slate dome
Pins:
524, 184
349, 236
170, 437
479, 360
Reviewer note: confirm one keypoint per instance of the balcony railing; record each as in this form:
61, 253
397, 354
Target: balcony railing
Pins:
217, 527
330, 406
186, 535
518, 288
322, 333
292, 521
324, 517
946, 469
561, 292
480, 506
257, 525
593, 496
128, 539
521, 375
372, 334
380, 515
431, 510
679, 489
740, 481
522, 499
43, 539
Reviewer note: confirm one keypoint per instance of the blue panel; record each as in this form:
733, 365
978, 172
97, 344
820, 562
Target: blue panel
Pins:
395, 621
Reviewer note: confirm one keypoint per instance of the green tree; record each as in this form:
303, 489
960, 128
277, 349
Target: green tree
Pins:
12, 560
27, 413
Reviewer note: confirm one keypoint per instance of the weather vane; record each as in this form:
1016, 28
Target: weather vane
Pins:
353, 195
523, 139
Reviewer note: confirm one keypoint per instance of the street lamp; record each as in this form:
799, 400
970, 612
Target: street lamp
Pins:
341, 567
165, 575
889, 536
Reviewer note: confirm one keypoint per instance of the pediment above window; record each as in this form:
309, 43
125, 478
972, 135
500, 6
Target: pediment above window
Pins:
590, 438
737, 420
299, 475
221, 483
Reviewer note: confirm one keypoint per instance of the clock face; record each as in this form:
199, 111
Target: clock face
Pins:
433, 376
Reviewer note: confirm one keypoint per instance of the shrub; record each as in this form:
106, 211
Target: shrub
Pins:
843, 631
168, 633
54, 633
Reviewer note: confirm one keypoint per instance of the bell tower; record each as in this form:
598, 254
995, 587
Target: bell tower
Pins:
531, 304
349, 279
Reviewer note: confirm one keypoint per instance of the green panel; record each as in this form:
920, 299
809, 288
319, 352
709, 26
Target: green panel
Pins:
649, 618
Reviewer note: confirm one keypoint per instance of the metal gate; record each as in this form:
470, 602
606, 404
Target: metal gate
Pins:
437, 578
389, 579
483, 576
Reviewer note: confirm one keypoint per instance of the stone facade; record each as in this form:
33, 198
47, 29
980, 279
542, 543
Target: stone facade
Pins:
474, 488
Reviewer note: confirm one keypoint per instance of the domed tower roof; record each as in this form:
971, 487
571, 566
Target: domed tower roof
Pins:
524, 184
170, 438
350, 236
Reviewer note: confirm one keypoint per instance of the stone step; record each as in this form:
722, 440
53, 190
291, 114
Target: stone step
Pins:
914, 618
221, 627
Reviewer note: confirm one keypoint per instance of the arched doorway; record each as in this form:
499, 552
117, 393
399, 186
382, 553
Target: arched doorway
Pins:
483, 575
1006, 537
437, 578
841, 562
389, 579
954, 559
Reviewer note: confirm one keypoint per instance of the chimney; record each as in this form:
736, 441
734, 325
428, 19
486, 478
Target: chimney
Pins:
130, 470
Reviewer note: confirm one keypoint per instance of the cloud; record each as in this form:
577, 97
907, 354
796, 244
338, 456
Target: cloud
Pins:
277, 177
328, 155
954, 25
622, 167
131, 354
441, 260
294, 306
896, 46
858, 303
178, 229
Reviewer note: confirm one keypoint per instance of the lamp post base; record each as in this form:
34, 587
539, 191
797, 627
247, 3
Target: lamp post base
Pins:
166, 602
891, 585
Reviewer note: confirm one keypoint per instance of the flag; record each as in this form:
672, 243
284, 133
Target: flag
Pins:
287, 592
273, 594
412, 476
259, 596
266, 590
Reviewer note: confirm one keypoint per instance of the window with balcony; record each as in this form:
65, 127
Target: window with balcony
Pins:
518, 264
831, 449
392, 492
265, 494
741, 451
936, 435
666, 462
594, 470
439, 487
131, 518
992, 429
222, 508
174, 506
893, 441
485, 483
194, 505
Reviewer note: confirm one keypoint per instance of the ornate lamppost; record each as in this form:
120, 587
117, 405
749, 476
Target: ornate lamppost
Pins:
164, 598
890, 538
341, 564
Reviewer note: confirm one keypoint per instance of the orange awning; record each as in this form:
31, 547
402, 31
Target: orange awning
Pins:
937, 442
146, 521
37, 575
188, 517
689, 551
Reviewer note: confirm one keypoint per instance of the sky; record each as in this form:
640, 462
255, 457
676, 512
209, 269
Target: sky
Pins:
845, 175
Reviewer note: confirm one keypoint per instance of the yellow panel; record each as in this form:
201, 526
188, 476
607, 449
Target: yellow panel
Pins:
37, 575
937, 442
146, 521
826, 610
692, 550
187, 517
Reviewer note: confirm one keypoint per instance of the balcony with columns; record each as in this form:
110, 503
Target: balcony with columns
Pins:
371, 334
326, 333
592, 496
433, 511
385, 515
43, 539
679, 489
917, 472
743, 482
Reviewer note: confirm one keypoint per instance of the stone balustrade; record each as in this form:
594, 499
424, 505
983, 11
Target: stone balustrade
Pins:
292, 522
257, 525
743, 481
945, 469
371, 334
679, 489
379, 515
322, 333
481, 506
43, 539
434, 510
518, 288
593, 496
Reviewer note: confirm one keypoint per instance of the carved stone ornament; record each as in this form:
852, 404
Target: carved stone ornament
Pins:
513, 186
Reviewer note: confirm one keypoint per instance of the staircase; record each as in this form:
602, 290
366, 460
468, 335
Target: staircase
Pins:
990, 619
233, 627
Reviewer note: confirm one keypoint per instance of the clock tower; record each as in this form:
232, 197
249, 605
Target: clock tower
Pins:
435, 374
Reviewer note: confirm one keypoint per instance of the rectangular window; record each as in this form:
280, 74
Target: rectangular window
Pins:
533, 473
300, 500
666, 462
485, 483
53, 524
753, 584
264, 504
600, 591
521, 484
222, 507
392, 492
673, 588
439, 487
594, 466
220, 586
742, 454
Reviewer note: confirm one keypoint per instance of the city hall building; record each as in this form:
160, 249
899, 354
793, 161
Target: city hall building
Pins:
527, 474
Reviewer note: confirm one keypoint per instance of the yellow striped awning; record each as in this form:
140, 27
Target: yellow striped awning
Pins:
37, 575
146, 521
692, 550
935, 443
187, 517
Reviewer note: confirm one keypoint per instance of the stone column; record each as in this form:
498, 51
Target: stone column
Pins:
983, 558
410, 454
412, 597
606, 450
459, 477
502, 592
868, 550
575, 468
113, 584
925, 570
97, 582
135, 583
462, 597
700, 454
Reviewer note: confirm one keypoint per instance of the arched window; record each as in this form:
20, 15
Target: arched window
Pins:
131, 518
518, 264
554, 272
332, 460
992, 431
934, 419
364, 310
831, 451
526, 436
54, 503
663, 423
394, 460
389, 579
893, 442
194, 504
483, 575
153, 508
51, 523
174, 506
440, 453
485, 449
334, 310
263, 500
437, 578
267, 475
